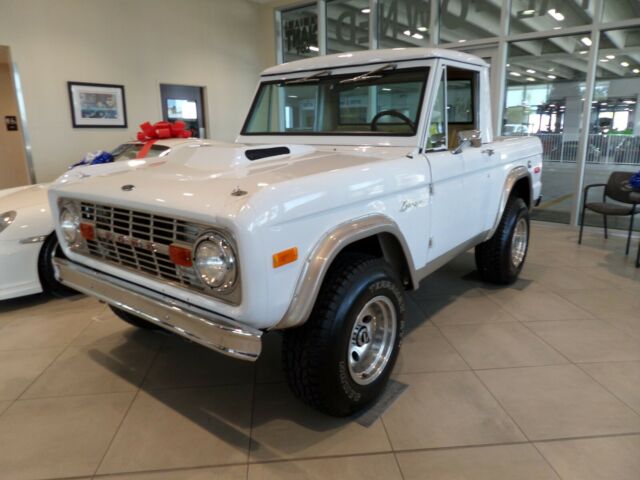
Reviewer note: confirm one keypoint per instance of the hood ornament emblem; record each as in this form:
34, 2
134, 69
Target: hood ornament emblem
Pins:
128, 188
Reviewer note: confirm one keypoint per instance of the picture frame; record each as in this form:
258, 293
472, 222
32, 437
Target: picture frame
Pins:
97, 105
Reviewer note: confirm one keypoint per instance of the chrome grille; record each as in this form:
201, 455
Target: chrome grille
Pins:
140, 241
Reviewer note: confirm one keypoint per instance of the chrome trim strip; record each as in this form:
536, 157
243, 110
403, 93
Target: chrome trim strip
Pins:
36, 239
322, 256
445, 258
513, 176
206, 328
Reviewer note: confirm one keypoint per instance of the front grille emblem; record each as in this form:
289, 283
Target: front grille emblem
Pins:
128, 188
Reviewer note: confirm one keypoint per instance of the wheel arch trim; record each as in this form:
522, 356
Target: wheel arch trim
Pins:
513, 177
324, 253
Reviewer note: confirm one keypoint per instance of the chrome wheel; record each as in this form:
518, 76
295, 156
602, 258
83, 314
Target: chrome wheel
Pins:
372, 340
519, 242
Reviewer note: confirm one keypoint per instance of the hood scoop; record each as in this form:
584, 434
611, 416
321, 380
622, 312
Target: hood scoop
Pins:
259, 153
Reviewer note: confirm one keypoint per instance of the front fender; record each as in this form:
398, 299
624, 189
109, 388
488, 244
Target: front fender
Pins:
325, 251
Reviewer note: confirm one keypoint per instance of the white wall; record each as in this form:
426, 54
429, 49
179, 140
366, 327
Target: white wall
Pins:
218, 44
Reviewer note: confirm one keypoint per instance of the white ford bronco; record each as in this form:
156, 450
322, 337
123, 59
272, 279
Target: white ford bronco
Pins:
354, 177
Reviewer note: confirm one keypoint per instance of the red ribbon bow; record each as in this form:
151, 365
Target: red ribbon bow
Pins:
152, 133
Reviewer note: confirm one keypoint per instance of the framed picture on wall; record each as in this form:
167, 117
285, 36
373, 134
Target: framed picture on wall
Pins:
97, 105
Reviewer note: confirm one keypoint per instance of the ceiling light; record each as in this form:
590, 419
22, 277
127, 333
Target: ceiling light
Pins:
461, 40
583, 52
636, 70
557, 28
407, 33
586, 41
604, 60
293, 96
386, 89
528, 12
552, 77
611, 57
515, 74
555, 14
531, 79
366, 10
417, 36
529, 70
624, 64
313, 48
629, 102
422, 29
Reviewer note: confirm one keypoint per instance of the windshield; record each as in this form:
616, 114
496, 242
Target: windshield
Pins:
378, 102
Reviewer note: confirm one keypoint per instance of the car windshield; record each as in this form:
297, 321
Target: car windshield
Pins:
129, 151
382, 101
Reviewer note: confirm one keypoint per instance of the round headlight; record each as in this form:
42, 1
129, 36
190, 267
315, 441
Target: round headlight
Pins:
215, 262
70, 225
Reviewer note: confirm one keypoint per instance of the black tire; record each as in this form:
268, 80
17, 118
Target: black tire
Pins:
494, 257
50, 249
132, 319
315, 355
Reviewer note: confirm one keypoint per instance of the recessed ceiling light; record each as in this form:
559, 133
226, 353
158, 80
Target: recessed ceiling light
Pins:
515, 74
586, 41
557, 28
422, 29
461, 40
636, 70
611, 57
313, 48
366, 10
604, 60
531, 79
552, 77
417, 36
529, 70
583, 52
528, 12
407, 33
624, 64
556, 14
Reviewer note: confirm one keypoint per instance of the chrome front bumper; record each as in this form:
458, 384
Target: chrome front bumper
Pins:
201, 326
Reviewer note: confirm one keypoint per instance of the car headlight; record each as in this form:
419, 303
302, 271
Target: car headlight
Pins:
215, 262
70, 225
7, 219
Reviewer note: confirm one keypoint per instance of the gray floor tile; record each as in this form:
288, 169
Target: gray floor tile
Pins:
559, 401
464, 310
102, 368
269, 365
426, 350
500, 345
534, 305
559, 277
238, 472
447, 409
610, 458
629, 324
513, 462
58, 437
190, 427
285, 428
605, 303
107, 328
588, 340
18, 368
620, 378
345, 468
4, 406
186, 364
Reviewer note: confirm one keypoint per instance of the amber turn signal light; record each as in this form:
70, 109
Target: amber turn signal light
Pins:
180, 255
87, 231
285, 257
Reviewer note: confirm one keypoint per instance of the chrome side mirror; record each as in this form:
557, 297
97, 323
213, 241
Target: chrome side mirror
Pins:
466, 138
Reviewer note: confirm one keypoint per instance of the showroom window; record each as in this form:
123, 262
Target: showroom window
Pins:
544, 97
614, 128
549, 15
403, 23
465, 20
542, 66
347, 25
299, 28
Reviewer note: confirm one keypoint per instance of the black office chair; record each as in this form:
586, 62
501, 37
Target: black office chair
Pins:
617, 188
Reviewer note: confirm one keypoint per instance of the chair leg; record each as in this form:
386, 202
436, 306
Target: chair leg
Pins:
606, 228
629, 236
581, 225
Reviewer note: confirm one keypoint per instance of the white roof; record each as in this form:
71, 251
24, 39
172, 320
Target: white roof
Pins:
365, 57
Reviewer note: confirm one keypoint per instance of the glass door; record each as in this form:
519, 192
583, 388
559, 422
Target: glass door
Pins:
185, 103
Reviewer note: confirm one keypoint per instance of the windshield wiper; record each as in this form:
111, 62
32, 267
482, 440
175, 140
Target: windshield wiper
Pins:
311, 78
369, 75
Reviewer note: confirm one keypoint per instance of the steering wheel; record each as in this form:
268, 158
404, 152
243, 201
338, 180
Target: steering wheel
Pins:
391, 113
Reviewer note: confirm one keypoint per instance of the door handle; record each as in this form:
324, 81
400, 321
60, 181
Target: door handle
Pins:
489, 151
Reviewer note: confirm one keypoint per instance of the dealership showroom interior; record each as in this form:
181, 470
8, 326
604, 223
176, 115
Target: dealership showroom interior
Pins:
320, 239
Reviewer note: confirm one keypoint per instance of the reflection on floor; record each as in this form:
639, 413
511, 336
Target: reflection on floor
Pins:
539, 380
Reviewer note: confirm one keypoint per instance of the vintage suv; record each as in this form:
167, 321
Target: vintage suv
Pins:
355, 176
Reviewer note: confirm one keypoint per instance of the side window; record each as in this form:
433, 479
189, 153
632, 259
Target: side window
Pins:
455, 109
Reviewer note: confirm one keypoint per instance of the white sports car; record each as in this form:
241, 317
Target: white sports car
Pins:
27, 240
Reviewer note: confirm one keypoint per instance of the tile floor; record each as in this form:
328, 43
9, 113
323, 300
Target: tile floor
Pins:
537, 381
